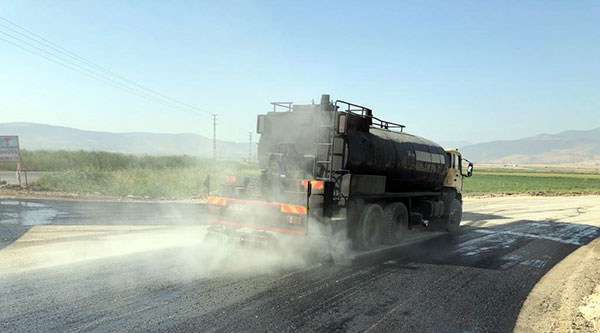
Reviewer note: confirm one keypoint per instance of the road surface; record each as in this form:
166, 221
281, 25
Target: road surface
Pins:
71, 266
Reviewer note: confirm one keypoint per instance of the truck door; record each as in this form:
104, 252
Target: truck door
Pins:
454, 177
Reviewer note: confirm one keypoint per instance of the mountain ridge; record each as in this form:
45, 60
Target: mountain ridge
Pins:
569, 146
34, 136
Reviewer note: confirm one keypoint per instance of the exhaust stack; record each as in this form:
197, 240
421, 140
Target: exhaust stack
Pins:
324, 102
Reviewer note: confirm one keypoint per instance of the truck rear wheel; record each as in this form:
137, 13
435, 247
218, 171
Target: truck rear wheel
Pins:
370, 227
395, 223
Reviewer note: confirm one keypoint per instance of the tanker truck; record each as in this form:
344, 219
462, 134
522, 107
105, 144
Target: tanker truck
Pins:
335, 166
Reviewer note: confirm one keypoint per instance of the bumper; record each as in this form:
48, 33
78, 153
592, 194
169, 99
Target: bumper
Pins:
258, 215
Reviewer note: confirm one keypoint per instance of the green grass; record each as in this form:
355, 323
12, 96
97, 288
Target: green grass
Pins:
499, 182
153, 183
61, 160
117, 174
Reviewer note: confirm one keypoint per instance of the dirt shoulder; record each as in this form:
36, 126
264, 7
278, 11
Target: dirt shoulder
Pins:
567, 298
529, 194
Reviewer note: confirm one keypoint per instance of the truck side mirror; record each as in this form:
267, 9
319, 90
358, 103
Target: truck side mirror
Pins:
469, 170
260, 123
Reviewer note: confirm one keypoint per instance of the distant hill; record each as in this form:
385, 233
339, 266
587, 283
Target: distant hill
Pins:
453, 144
39, 136
564, 147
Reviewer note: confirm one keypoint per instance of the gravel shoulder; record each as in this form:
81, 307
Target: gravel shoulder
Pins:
567, 298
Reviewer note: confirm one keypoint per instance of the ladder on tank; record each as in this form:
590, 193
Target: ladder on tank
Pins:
328, 164
253, 189
350, 109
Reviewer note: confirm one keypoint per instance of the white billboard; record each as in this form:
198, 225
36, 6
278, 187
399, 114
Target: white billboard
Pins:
9, 149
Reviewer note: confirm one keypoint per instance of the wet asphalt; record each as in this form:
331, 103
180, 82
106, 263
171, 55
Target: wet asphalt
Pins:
474, 281
18, 216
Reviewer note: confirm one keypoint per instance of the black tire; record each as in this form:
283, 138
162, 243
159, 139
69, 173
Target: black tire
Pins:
450, 222
454, 216
395, 223
369, 232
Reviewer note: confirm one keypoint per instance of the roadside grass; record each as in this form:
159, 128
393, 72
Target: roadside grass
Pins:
61, 160
498, 182
117, 174
151, 183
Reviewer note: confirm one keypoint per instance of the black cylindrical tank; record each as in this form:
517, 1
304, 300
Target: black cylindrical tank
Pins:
409, 162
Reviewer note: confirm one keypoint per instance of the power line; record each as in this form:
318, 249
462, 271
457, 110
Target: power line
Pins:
182, 106
56, 54
62, 50
214, 118
95, 76
249, 146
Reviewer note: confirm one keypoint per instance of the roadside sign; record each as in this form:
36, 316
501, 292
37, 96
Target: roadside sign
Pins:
9, 149
9, 152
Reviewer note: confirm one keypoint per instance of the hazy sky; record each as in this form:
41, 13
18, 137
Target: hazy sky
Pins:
449, 70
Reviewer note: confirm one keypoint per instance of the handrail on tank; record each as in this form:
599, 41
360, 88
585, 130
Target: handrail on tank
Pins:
285, 105
368, 113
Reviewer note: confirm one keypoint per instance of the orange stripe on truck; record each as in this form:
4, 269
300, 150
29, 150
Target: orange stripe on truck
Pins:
291, 209
216, 201
315, 184
301, 210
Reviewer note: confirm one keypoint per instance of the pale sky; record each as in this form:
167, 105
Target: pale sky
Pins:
449, 70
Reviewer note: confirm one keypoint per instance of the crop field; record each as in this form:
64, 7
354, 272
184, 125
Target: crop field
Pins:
511, 182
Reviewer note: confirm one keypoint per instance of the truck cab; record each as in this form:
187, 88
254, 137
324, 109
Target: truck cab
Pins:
454, 178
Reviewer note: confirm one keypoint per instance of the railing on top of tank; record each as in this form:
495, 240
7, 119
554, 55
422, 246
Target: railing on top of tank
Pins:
368, 113
285, 105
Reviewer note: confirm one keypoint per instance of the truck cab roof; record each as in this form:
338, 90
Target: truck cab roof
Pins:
452, 151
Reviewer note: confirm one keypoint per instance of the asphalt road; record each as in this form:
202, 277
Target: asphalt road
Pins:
68, 266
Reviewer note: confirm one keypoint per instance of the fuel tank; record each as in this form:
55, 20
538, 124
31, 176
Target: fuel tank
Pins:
409, 162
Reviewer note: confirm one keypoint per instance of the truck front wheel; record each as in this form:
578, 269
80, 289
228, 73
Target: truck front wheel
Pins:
370, 227
455, 216
450, 222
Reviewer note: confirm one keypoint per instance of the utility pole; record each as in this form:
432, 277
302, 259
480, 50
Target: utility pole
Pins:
250, 146
214, 119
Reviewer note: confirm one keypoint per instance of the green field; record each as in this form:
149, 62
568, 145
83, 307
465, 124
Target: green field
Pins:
122, 175
183, 176
503, 182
